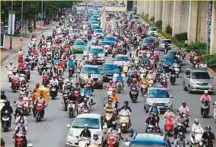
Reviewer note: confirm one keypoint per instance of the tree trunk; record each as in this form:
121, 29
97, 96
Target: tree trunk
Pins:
34, 20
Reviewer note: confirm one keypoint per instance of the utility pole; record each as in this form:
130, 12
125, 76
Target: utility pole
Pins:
21, 33
11, 27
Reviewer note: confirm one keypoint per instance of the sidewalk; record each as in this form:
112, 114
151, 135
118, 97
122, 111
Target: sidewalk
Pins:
17, 44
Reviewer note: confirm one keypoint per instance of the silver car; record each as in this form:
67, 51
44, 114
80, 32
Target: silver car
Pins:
197, 80
95, 74
163, 42
160, 96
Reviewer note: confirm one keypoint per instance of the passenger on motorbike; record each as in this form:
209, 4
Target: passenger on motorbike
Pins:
21, 129
54, 82
151, 121
169, 114
197, 130
205, 98
120, 79
126, 112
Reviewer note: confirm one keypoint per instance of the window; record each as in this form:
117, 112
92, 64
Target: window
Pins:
79, 43
93, 123
200, 75
91, 70
157, 93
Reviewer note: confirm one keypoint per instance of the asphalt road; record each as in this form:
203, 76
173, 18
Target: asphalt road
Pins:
52, 131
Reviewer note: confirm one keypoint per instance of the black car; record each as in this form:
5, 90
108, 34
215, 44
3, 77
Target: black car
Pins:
108, 70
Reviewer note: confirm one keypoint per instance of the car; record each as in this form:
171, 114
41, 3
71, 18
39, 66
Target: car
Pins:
167, 62
110, 39
197, 80
98, 33
147, 40
95, 72
79, 46
147, 139
108, 70
163, 42
94, 122
120, 59
75, 31
100, 51
152, 30
160, 96
95, 27
95, 23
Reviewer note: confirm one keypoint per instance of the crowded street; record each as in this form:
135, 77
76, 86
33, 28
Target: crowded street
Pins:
52, 129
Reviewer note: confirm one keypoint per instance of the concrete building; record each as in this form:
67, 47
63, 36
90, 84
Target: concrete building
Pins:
183, 16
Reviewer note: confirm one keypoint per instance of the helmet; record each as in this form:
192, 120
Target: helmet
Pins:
183, 102
196, 120
206, 92
126, 102
2, 92
110, 81
86, 126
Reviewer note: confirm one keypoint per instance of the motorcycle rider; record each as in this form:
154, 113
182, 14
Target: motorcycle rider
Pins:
185, 110
196, 128
21, 118
3, 96
151, 121
8, 108
126, 112
168, 114
119, 78
40, 101
115, 98
209, 136
205, 98
155, 111
19, 104
21, 129
85, 132
126, 104
15, 77
54, 82
180, 119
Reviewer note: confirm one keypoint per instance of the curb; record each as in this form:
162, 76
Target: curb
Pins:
4, 58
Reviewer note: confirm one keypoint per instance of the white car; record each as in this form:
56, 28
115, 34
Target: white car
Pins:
120, 59
152, 30
98, 33
94, 122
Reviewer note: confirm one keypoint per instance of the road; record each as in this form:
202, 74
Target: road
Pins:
52, 131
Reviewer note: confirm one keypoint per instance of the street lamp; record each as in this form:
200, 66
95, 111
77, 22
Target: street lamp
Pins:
11, 27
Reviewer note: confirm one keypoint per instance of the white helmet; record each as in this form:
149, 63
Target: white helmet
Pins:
206, 92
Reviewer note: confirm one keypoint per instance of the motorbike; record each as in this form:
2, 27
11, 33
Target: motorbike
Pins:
38, 116
22, 90
151, 129
124, 123
71, 71
168, 126
180, 141
26, 108
108, 119
53, 92
77, 93
19, 140
119, 86
27, 73
40, 66
15, 85
144, 88
45, 80
109, 91
6, 122
9, 75
172, 79
206, 107
195, 138
177, 69
71, 108
84, 142
133, 94
164, 83
214, 113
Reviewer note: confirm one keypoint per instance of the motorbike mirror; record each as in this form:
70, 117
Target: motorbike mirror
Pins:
171, 96
93, 103
68, 125
127, 144
14, 102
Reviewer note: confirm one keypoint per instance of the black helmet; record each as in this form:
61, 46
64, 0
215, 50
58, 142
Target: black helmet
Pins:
208, 128
126, 102
2, 92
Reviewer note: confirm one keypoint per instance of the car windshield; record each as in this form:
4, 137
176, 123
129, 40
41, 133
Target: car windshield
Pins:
148, 40
153, 29
121, 58
167, 41
200, 75
75, 31
110, 66
146, 145
110, 39
79, 43
98, 51
158, 93
168, 61
93, 123
91, 70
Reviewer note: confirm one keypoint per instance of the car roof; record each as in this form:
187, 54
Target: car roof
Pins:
96, 47
89, 115
110, 64
149, 138
156, 88
93, 66
197, 70
80, 40
119, 55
